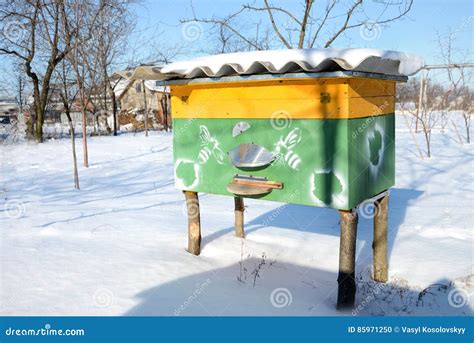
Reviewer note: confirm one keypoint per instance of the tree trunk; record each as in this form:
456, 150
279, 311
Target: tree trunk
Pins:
96, 123
30, 125
84, 138
145, 108
114, 103
44, 96
428, 143
346, 278
379, 244
114, 111
194, 222
239, 217
39, 120
164, 107
467, 122
73, 145
39, 102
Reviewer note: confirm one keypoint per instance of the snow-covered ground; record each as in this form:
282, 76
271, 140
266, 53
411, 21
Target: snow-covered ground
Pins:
117, 246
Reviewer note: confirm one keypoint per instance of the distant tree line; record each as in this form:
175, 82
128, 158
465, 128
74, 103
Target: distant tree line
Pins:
86, 36
66, 50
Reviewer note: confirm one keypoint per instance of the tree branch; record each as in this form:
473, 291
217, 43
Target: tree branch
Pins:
275, 27
225, 23
307, 11
346, 23
273, 8
329, 9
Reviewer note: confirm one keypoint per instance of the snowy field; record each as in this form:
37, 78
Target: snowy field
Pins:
117, 246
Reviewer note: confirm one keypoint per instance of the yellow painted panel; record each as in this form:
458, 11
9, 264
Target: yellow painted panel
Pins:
274, 89
371, 106
295, 98
259, 108
364, 87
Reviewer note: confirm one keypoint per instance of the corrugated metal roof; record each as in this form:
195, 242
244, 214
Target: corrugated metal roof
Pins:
284, 61
122, 86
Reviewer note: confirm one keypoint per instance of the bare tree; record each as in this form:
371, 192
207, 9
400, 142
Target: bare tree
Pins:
427, 112
165, 107
315, 24
84, 59
115, 24
112, 82
67, 91
37, 25
459, 95
39, 34
21, 88
466, 107
85, 66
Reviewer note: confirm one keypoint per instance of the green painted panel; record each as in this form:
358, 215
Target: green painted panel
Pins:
372, 156
321, 162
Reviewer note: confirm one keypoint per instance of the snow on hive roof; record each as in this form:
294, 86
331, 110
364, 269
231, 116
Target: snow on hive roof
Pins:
151, 85
286, 61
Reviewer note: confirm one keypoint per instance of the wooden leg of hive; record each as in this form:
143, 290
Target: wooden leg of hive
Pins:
346, 278
239, 217
379, 244
194, 222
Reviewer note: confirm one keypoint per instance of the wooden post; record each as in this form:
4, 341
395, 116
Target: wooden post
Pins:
346, 278
145, 107
239, 217
379, 244
194, 222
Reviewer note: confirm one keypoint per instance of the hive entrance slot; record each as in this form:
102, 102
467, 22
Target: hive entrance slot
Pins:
252, 185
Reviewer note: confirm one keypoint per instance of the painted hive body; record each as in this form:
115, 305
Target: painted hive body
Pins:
333, 137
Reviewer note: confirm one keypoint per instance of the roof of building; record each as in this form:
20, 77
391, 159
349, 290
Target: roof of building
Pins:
7, 105
384, 62
124, 84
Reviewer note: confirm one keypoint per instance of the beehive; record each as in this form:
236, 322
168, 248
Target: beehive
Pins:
332, 138
313, 127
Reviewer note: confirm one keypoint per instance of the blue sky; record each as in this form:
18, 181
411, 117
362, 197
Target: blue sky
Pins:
159, 22
159, 29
